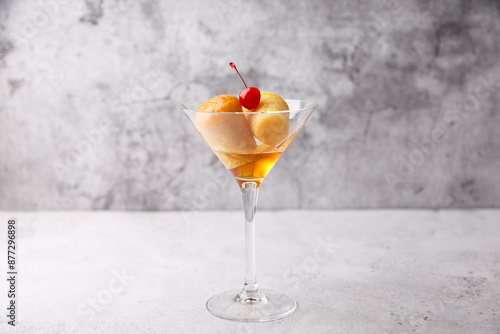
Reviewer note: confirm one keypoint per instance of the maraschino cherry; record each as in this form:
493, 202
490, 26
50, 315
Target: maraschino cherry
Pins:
250, 96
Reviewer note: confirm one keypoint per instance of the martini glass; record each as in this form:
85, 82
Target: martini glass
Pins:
249, 160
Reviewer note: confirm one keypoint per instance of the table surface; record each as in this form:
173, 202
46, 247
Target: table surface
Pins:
389, 271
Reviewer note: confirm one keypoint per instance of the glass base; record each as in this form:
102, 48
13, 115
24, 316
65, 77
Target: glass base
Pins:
271, 305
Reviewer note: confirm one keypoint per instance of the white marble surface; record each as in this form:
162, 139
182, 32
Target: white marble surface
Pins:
382, 271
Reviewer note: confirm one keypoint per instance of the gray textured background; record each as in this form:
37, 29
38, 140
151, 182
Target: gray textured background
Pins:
408, 94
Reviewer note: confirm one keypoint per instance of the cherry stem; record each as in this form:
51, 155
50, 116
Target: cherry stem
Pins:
234, 66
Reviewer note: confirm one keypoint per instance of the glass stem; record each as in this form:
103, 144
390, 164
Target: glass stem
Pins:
250, 293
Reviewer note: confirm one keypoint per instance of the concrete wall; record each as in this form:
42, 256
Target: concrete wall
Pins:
409, 93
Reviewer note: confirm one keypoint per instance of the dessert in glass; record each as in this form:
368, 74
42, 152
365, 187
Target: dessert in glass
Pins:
248, 134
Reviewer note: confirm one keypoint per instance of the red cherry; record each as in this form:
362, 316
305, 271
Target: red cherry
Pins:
250, 96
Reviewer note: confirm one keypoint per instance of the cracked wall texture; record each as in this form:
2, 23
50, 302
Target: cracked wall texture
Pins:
408, 91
